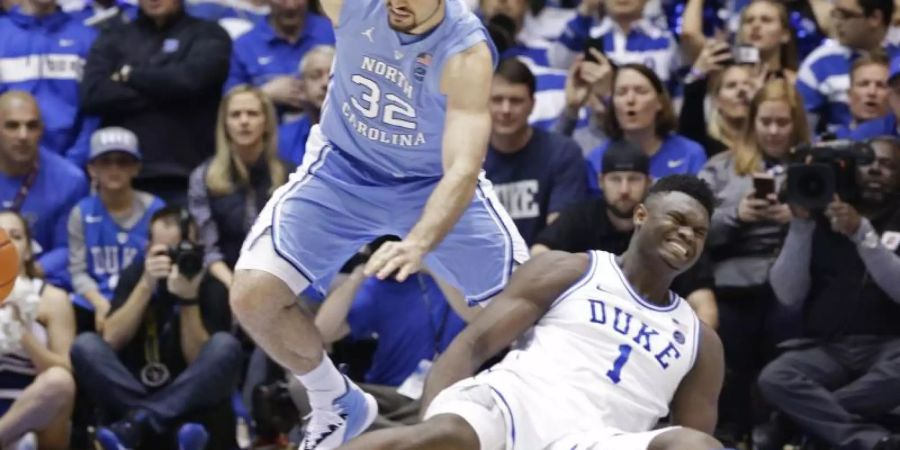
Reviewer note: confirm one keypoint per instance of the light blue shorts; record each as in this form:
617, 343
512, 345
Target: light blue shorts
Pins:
331, 207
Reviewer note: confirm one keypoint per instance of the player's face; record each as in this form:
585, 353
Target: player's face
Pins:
245, 121
761, 27
20, 131
672, 227
774, 128
288, 13
883, 175
635, 100
406, 15
623, 191
624, 8
159, 9
511, 104
733, 99
114, 171
314, 79
14, 227
869, 92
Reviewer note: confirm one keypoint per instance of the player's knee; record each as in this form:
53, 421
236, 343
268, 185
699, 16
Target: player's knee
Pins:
684, 439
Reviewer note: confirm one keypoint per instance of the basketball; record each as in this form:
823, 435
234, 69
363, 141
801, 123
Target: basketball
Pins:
9, 265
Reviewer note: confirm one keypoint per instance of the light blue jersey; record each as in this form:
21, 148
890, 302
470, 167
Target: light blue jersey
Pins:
384, 107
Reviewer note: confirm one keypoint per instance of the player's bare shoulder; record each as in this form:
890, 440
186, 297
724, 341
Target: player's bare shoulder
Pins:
468, 69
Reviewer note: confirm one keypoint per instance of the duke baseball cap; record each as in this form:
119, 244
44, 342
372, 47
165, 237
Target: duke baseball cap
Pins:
624, 156
114, 139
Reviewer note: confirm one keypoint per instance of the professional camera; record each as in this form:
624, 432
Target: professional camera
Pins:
819, 171
187, 255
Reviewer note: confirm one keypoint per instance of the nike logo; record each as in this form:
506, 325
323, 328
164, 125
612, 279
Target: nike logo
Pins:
264, 60
66, 42
93, 219
673, 163
368, 34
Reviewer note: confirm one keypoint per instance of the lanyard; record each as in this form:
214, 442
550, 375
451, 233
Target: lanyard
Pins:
154, 373
27, 183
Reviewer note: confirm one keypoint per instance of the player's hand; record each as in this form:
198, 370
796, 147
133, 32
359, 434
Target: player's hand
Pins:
843, 217
403, 258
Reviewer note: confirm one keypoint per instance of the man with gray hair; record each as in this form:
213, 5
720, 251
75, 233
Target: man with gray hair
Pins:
314, 68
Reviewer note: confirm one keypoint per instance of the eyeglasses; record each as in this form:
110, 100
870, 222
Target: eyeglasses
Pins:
843, 14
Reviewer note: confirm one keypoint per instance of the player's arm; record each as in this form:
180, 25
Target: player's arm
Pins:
332, 10
696, 401
529, 295
466, 81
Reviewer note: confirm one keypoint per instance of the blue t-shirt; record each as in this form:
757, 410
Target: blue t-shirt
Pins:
882, 126
412, 321
544, 177
677, 155
261, 55
292, 138
59, 185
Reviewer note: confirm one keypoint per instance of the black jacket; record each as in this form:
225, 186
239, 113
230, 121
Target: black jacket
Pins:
172, 94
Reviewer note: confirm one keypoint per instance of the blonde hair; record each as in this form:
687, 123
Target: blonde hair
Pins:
227, 171
716, 126
747, 154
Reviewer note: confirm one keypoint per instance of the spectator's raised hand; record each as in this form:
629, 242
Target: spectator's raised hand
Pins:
183, 287
284, 90
713, 57
158, 264
582, 77
844, 218
590, 8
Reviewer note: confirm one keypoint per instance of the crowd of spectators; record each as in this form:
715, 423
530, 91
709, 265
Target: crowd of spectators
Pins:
139, 142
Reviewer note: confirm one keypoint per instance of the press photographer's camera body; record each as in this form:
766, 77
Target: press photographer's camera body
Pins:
818, 172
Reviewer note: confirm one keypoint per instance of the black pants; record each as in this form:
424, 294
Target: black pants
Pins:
835, 391
206, 385
751, 323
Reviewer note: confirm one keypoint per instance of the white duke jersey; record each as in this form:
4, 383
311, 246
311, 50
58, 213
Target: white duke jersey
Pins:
601, 356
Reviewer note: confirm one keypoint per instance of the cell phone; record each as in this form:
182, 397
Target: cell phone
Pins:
595, 43
745, 54
763, 186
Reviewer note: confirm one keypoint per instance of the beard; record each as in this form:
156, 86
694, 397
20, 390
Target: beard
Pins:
622, 213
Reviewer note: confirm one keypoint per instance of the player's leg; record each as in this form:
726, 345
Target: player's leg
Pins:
443, 432
672, 438
680, 438
45, 407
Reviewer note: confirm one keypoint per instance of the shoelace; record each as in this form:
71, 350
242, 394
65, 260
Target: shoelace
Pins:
320, 424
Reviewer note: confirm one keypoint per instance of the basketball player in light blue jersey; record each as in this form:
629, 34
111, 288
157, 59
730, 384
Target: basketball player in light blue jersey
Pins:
398, 151
603, 350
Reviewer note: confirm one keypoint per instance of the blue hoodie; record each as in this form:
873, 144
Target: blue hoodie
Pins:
45, 57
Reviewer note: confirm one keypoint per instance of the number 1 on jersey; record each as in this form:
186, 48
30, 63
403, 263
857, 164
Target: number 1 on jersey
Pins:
624, 353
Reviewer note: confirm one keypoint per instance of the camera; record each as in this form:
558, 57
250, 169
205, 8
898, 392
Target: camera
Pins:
187, 255
819, 171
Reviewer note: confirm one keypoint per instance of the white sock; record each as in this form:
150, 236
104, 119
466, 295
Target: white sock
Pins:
324, 379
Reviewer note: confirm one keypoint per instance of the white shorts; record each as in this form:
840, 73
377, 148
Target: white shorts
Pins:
488, 412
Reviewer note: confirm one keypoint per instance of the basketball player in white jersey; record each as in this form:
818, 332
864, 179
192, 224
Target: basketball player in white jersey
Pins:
603, 350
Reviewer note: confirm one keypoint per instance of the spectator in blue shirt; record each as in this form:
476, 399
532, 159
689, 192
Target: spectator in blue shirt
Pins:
43, 51
37, 183
642, 113
315, 71
626, 37
886, 125
237, 17
104, 14
868, 95
536, 173
268, 55
861, 26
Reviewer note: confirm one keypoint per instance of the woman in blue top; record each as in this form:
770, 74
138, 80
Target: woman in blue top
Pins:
642, 113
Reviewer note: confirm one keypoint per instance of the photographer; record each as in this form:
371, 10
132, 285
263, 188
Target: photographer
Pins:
840, 266
165, 357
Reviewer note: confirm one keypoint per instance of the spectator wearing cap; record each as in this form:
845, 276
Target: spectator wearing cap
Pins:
886, 125
536, 173
43, 52
315, 70
606, 223
161, 77
268, 55
39, 184
108, 229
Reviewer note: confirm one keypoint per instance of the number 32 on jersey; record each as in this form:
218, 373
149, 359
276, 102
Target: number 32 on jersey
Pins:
371, 103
